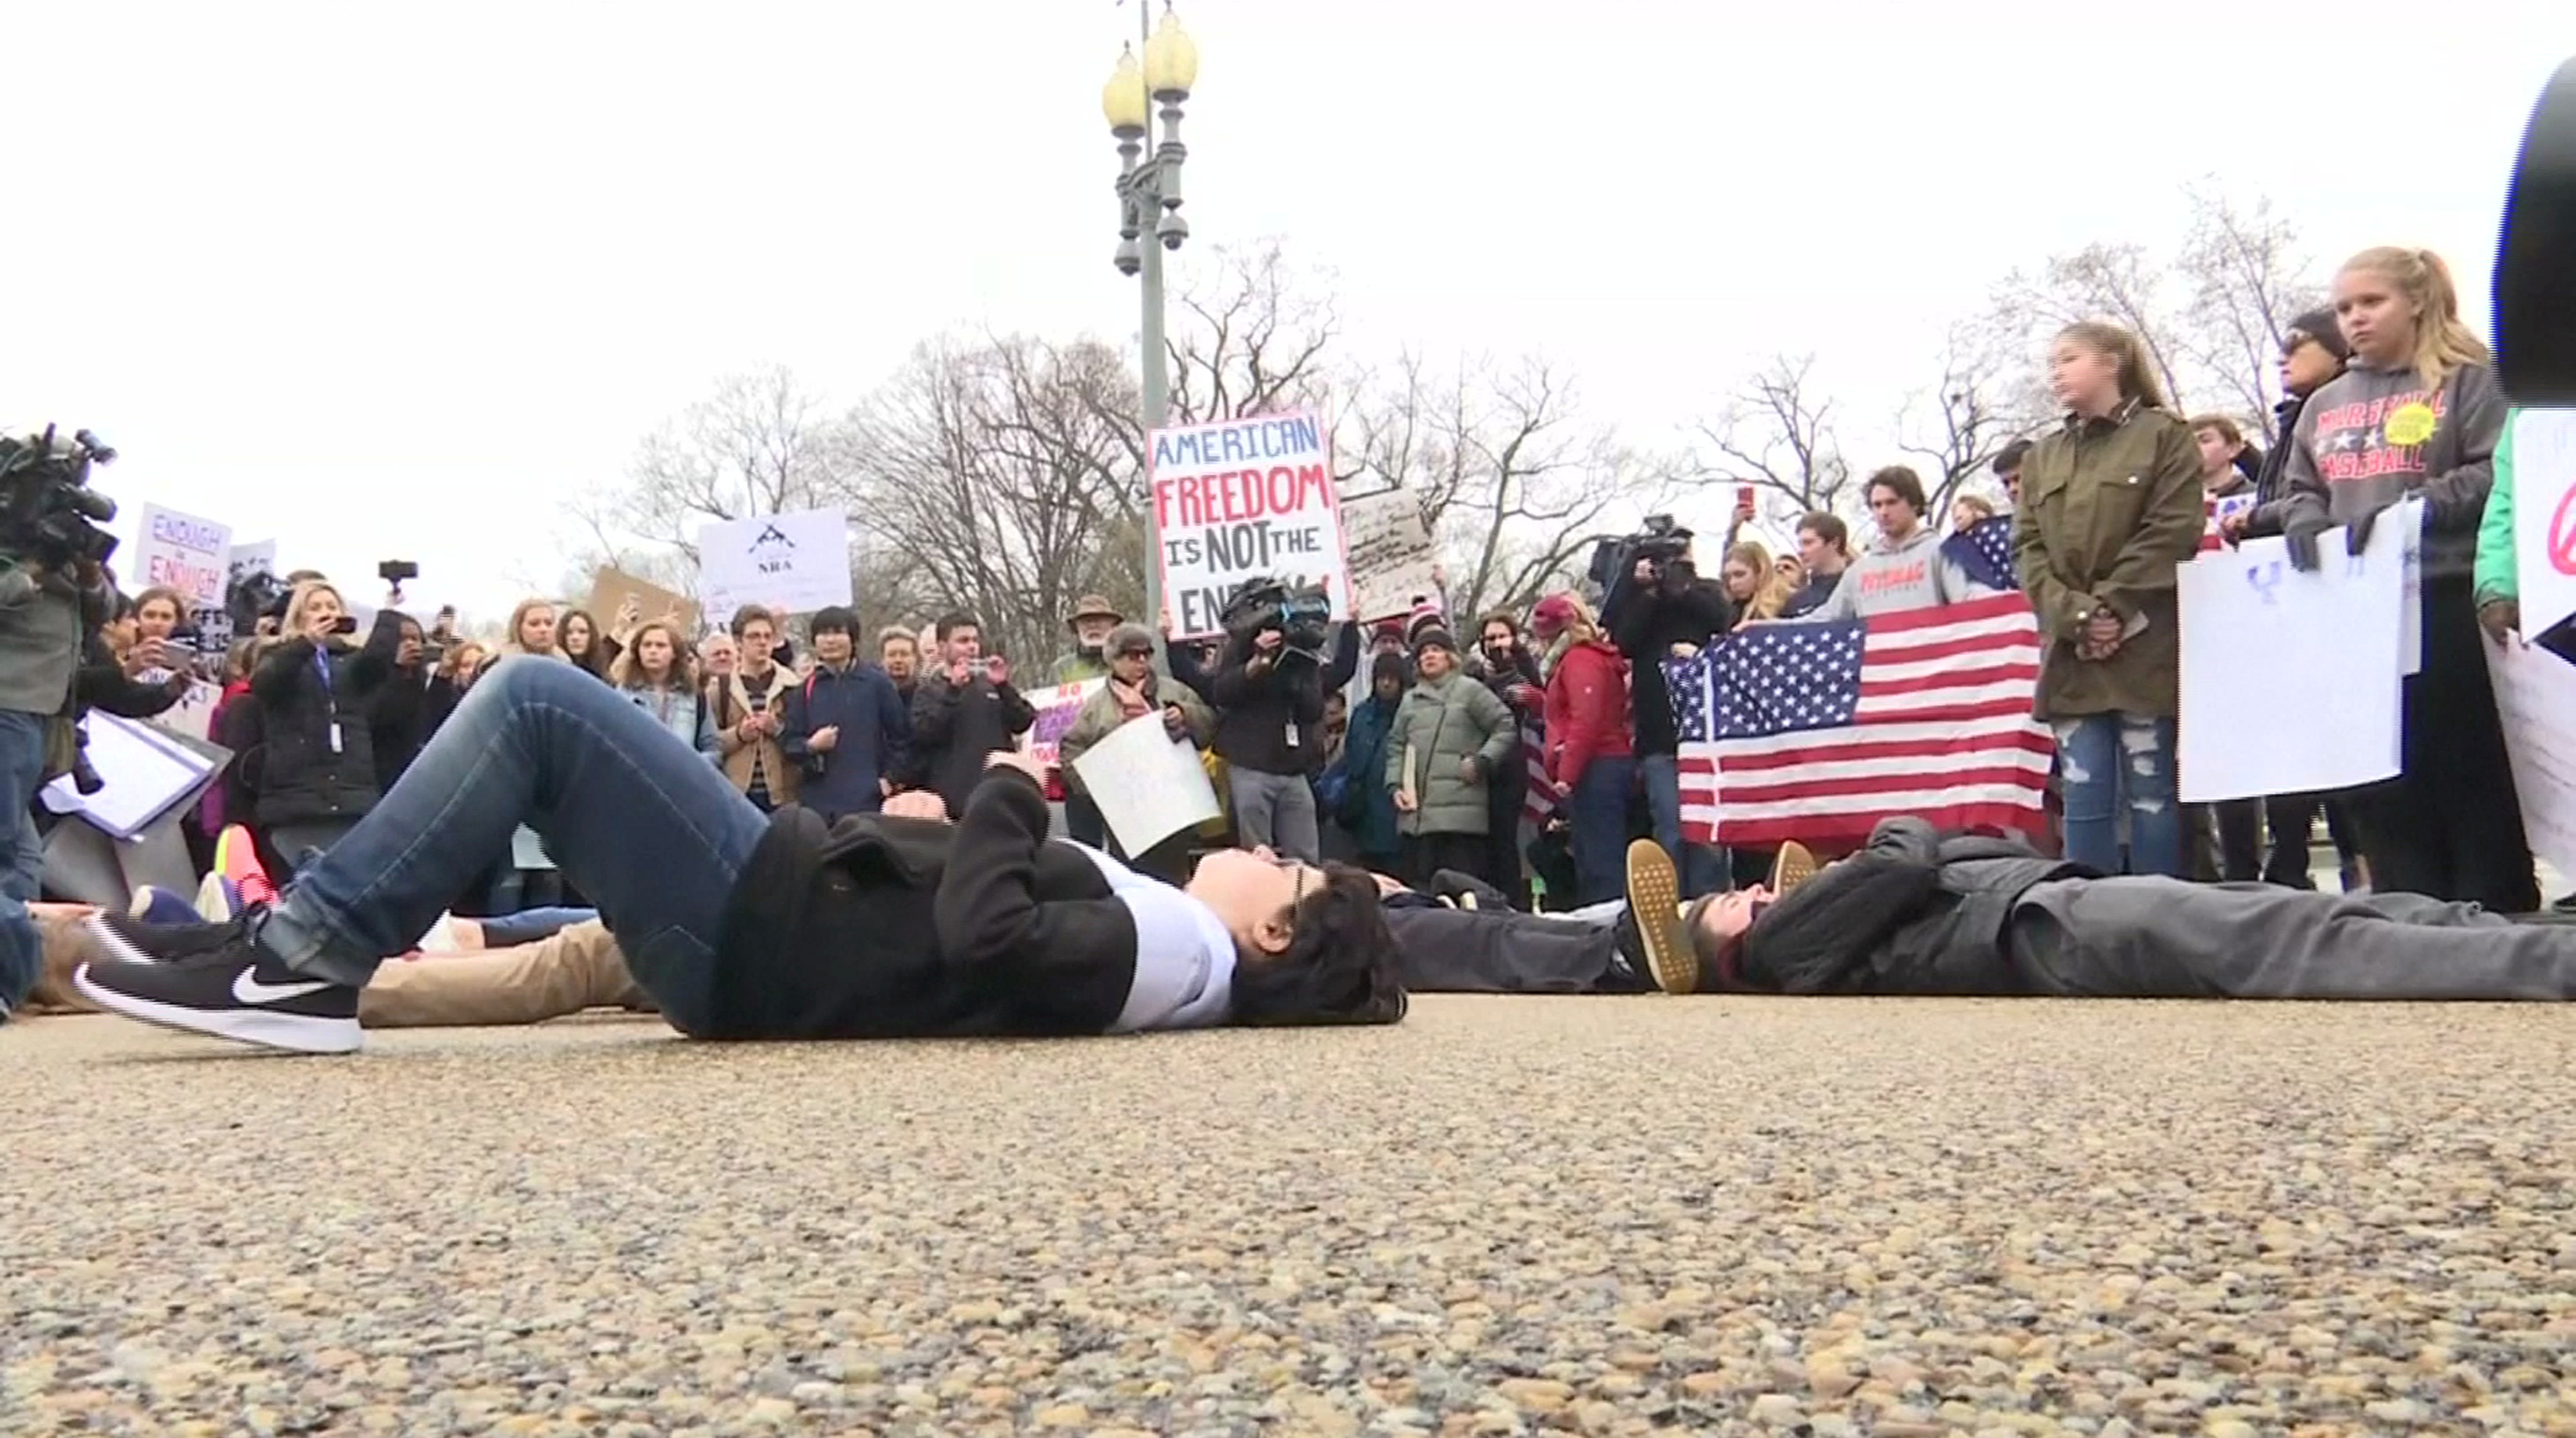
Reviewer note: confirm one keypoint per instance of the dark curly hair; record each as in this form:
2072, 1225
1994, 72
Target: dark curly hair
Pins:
1341, 965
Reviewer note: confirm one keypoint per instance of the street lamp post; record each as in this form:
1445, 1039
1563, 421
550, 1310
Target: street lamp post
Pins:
1149, 218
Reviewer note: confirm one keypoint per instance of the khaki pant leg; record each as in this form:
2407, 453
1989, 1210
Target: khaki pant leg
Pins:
577, 969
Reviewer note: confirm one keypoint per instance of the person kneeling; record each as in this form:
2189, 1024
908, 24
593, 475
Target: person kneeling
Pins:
744, 926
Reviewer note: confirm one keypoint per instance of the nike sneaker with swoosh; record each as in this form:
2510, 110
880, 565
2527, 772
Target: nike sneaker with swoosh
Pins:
216, 979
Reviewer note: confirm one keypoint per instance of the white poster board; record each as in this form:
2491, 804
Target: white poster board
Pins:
143, 776
1149, 785
2409, 519
2535, 695
1391, 556
2544, 516
1240, 498
249, 559
2290, 681
787, 563
185, 553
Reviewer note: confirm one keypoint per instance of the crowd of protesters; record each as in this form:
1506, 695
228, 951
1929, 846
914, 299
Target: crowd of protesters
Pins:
1412, 746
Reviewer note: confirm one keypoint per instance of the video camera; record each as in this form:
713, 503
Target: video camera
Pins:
48, 513
1300, 615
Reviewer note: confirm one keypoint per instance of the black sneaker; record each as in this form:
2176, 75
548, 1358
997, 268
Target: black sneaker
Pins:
216, 979
1655, 902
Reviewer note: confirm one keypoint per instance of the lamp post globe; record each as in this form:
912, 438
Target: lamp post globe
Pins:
1171, 59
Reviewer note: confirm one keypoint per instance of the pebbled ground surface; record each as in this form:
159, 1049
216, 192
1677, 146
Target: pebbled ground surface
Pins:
1604, 1216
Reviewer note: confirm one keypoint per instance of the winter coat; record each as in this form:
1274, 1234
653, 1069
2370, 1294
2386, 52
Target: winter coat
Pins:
398, 722
1649, 624
862, 703
1368, 806
317, 754
954, 728
1587, 711
730, 701
1912, 913
2108, 508
1443, 724
1101, 716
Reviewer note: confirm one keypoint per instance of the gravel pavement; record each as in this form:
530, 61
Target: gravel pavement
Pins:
1605, 1216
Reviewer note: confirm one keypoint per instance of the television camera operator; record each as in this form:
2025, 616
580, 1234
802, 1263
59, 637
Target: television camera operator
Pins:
54, 597
1657, 607
1268, 691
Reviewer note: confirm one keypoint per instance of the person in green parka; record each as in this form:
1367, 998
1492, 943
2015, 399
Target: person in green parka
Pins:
2497, 580
1451, 737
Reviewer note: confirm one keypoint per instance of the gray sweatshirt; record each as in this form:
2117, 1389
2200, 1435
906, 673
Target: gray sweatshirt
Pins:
2363, 443
1885, 578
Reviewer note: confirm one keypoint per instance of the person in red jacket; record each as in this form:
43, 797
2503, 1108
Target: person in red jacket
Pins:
1588, 754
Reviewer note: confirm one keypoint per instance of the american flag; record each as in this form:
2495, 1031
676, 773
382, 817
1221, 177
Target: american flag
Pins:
1541, 804
1984, 550
1819, 731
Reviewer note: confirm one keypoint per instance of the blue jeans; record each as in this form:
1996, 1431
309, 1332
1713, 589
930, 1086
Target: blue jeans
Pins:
651, 831
527, 926
2105, 759
22, 773
1597, 814
1701, 869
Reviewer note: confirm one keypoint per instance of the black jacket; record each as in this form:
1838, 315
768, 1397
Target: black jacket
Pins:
101, 683
2269, 486
879, 927
399, 720
301, 775
1650, 623
1912, 913
1254, 711
953, 729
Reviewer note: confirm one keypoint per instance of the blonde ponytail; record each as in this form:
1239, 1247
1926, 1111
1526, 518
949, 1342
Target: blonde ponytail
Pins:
2444, 344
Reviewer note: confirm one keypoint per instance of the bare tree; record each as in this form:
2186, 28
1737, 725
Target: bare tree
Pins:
1776, 433
1001, 478
1515, 483
1958, 426
761, 444
2245, 270
2210, 315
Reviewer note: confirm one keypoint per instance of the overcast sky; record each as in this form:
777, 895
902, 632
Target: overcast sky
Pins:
388, 284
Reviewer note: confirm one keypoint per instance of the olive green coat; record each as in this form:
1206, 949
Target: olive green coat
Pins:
1440, 725
2108, 508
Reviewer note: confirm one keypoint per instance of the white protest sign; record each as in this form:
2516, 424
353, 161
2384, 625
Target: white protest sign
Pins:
788, 563
249, 559
2262, 644
1149, 785
1390, 553
1240, 498
185, 553
2535, 695
142, 775
2544, 516
1056, 708
194, 714
2409, 519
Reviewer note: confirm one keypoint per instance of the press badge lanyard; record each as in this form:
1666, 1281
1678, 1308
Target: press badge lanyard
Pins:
330, 694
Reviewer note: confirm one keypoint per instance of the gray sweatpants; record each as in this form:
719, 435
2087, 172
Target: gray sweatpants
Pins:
1277, 810
2165, 938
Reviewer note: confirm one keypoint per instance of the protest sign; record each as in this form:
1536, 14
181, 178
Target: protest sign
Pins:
787, 563
2544, 516
2409, 519
1391, 556
143, 775
610, 588
2262, 641
185, 553
1241, 498
2535, 695
1056, 709
249, 559
1149, 785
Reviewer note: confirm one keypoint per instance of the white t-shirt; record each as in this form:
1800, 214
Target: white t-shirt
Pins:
1184, 956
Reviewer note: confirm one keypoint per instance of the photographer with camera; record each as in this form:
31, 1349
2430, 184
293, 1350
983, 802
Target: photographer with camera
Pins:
316, 772
1269, 695
1663, 610
54, 597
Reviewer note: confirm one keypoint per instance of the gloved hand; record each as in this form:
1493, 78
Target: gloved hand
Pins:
2356, 537
2301, 531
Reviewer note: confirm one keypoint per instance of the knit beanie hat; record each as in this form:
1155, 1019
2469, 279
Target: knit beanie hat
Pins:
2321, 325
1432, 636
1424, 614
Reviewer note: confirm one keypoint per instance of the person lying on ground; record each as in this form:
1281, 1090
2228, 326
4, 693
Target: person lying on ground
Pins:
1915, 913
740, 926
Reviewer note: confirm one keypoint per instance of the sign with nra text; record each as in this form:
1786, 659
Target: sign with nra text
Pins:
1241, 498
